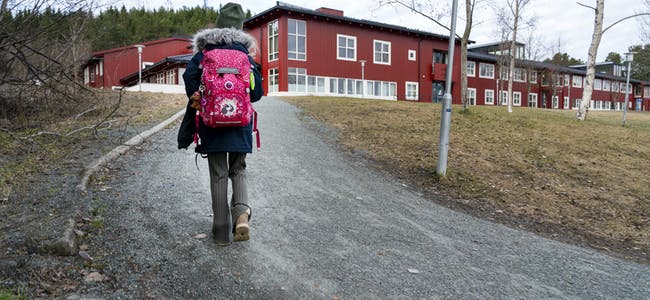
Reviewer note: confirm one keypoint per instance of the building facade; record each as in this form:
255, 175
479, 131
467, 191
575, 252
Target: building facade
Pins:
107, 68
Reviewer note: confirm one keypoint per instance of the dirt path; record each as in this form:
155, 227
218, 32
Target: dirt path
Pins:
325, 226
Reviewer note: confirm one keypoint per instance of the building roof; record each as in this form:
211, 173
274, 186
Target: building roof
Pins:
104, 52
323, 13
158, 66
546, 66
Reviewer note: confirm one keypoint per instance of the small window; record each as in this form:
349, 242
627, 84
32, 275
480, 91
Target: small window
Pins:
382, 52
471, 96
412, 55
471, 68
347, 47
489, 97
412, 90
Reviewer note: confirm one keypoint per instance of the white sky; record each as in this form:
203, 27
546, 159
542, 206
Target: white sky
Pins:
562, 21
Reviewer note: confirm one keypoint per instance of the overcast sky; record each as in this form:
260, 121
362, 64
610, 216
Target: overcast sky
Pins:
558, 21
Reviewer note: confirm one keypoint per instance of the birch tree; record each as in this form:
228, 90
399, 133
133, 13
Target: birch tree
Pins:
598, 32
511, 19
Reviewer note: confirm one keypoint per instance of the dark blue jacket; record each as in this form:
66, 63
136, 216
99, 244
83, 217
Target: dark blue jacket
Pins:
223, 139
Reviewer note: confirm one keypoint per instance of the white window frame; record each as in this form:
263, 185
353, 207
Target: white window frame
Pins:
555, 102
577, 81
381, 52
607, 85
471, 96
488, 68
533, 77
296, 54
274, 83
566, 102
274, 42
412, 90
489, 94
598, 84
516, 98
412, 55
471, 68
503, 98
519, 75
530, 99
298, 73
347, 47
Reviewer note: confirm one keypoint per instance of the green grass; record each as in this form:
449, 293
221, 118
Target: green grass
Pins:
535, 165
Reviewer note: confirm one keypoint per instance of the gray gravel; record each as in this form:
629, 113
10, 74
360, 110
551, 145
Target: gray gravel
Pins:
324, 226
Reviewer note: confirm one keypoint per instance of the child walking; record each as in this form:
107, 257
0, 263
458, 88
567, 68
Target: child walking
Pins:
225, 147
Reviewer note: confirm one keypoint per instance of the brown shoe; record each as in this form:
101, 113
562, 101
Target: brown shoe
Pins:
242, 228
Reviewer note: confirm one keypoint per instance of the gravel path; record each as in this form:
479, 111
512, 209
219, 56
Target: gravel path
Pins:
324, 226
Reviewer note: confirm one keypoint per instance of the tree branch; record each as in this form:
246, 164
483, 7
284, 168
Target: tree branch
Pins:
413, 9
587, 6
623, 19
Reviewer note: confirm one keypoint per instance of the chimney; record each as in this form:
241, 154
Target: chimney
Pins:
330, 11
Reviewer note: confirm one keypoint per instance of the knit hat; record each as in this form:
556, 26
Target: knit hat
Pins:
230, 15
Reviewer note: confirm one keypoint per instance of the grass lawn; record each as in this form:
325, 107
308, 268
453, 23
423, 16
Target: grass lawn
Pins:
584, 182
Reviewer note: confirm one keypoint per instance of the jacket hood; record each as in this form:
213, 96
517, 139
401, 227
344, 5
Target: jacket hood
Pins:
221, 36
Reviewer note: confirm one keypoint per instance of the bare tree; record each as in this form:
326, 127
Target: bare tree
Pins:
511, 18
436, 12
593, 52
39, 61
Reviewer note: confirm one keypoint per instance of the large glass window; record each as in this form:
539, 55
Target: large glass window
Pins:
297, 39
273, 40
273, 81
347, 47
297, 79
382, 52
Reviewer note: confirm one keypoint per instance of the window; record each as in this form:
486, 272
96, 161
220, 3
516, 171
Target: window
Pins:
160, 78
503, 99
532, 100
566, 102
489, 97
577, 81
598, 84
347, 47
486, 70
315, 84
637, 91
439, 57
576, 103
557, 79
412, 55
504, 73
412, 91
170, 77
520, 75
297, 40
555, 101
646, 92
533, 77
516, 98
566, 80
607, 85
273, 81
471, 68
615, 87
382, 52
297, 79
471, 96
273, 40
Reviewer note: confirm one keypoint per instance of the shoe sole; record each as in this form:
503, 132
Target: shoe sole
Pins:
241, 233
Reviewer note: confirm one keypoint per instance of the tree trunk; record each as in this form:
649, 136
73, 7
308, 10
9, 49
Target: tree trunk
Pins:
469, 7
591, 62
513, 44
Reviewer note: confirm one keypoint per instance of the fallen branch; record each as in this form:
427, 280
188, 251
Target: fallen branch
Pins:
85, 112
67, 134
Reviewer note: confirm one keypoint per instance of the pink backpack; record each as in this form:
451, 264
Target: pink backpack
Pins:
225, 89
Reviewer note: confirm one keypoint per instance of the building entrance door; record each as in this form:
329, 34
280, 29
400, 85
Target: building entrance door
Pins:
438, 91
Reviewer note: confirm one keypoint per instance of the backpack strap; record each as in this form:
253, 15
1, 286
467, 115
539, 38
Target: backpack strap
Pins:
196, 132
256, 132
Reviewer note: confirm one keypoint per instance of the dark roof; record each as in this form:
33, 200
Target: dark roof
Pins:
103, 52
158, 66
546, 66
281, 6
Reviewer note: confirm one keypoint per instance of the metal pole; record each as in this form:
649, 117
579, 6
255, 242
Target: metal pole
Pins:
445, 119
363, 78
627, 86
139, 66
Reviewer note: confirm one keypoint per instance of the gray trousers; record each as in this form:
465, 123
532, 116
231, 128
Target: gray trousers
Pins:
224, 165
